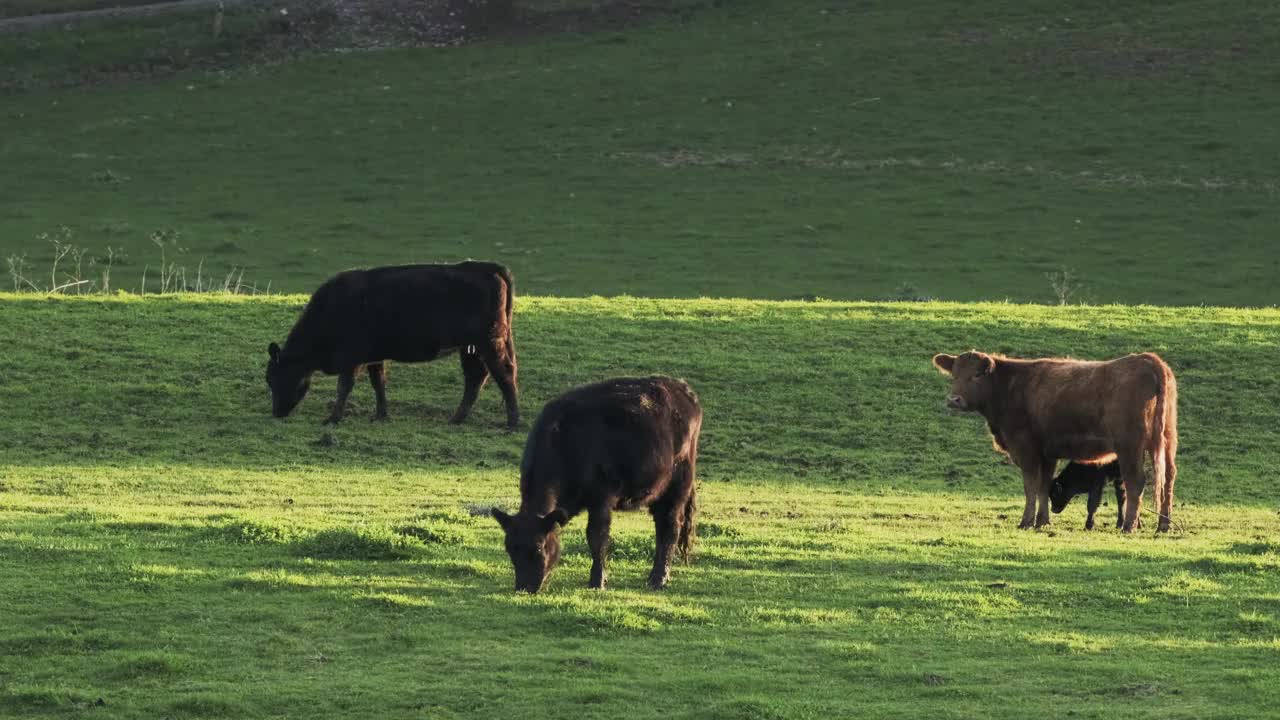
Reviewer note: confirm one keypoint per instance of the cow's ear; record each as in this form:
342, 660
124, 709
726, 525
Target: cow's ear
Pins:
944, 363
503, 519
555, 518
274, 351
986, 363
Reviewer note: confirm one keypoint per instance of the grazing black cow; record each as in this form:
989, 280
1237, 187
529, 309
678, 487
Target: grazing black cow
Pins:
409, 313
621, 444
1077, 478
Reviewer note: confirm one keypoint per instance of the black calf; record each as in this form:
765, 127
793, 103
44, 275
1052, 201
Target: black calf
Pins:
1077, 478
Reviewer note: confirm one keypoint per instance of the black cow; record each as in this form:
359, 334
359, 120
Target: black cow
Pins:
409, 313
1077, 478
621, 444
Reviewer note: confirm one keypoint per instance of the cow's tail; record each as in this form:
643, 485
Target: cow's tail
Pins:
510, 280
1170, 444
1164, 421
688, 523
688, 529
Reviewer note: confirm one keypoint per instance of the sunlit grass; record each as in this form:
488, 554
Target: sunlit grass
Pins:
169, 548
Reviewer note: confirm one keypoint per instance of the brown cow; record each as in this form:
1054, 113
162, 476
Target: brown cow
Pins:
1041, 411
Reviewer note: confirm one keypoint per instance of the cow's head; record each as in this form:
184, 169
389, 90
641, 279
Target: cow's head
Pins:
970, 379
288, 382
533, 542
1060, 495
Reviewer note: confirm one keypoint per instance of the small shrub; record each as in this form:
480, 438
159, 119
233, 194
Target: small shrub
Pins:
359, 543
250, 532
73, 269
1065, 284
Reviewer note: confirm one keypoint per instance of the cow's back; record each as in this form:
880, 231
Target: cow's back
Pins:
407, 312
617, 431
1078, 407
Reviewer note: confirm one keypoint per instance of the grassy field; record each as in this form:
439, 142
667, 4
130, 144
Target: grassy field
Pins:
169, 550
762, 149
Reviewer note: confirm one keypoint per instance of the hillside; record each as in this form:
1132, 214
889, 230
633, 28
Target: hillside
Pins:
762, 149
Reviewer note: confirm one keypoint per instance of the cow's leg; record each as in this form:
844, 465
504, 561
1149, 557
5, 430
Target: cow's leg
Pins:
500, 358
346, 381
1031, 476
598, 521
475, 375
1095, 499
1042, 493
1119, 503
1135, 480
378, 378
667, 514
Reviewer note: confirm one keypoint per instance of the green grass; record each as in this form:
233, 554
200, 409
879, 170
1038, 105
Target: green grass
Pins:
765, 149
169, 549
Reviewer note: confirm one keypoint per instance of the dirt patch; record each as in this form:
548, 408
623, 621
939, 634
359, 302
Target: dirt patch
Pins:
384, 23
834, 159
266, 33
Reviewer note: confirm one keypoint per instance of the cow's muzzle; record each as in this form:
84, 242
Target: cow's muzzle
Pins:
955, 402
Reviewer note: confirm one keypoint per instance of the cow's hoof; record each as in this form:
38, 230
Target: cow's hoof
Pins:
331, 420
380, 417
595, 585
1025, 525
658, 583
457, 419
